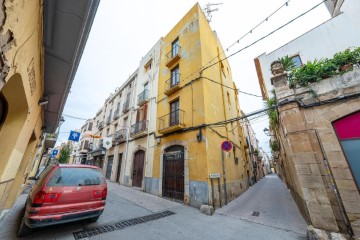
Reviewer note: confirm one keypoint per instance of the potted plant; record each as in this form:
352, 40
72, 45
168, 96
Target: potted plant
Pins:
256, 151
275, 146
288, 63
345, 60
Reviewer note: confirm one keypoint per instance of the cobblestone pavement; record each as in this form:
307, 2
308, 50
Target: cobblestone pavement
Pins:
124, 203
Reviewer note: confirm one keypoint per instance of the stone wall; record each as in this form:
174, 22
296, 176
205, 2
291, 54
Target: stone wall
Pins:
314, 166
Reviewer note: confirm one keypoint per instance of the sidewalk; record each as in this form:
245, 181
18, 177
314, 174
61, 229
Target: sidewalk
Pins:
272, 202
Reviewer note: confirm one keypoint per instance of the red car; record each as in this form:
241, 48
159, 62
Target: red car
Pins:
64, 193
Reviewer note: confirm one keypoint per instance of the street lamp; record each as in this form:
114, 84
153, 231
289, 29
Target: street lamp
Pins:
266, 131
62, 120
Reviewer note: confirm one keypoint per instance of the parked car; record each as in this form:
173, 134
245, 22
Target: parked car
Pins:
64, 193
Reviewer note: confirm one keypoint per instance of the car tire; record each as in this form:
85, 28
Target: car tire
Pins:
94, 219
24, 229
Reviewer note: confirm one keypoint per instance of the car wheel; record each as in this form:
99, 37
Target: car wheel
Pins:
94, 219
24, 229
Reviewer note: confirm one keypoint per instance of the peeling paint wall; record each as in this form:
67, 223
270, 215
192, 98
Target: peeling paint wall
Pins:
21, 83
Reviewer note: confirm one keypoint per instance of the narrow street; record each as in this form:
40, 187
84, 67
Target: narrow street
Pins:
271, 203
278, 219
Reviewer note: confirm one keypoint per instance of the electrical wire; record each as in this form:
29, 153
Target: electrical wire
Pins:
265, 36
238, 40
74, 117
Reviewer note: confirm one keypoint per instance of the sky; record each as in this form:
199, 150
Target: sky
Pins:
124, 31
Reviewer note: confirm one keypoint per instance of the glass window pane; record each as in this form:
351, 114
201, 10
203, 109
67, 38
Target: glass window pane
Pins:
76, 177
352, 152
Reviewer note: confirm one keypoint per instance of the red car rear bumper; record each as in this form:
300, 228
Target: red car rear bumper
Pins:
46, 220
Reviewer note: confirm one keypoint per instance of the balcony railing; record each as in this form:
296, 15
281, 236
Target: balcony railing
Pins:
172, 84
120, 136
143, 97
126, 106
139, 128
172, 122
173, 55
101, 125
116, 114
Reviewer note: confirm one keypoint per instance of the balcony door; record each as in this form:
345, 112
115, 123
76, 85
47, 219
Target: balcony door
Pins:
175, 48
348, 133
175, 76
174, 113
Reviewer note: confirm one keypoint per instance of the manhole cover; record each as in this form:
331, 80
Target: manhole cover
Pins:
119, 225
256, 214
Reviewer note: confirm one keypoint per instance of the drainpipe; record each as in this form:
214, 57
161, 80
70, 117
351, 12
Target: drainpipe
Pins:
148, 131
227, 133
128, 136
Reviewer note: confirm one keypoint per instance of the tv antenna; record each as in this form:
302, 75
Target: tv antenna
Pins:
209, 9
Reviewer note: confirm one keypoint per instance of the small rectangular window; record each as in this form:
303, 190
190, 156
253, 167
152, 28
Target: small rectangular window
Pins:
174, 113
297, 61
90, 126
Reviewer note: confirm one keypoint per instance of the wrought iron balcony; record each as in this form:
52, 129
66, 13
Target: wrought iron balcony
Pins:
101, 125
143, 97
172, 122
120, 136
139, 129
126, 106
172, 84
173, 56
116, 114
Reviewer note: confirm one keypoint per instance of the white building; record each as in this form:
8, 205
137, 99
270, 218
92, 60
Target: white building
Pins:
128, 116
335, 35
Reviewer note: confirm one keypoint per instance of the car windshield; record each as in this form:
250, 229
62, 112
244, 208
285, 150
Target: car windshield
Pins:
76, 177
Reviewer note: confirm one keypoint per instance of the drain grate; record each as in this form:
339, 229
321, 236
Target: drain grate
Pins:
120, 225
256, 214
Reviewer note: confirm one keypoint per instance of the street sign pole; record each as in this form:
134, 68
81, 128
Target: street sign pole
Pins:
224, 175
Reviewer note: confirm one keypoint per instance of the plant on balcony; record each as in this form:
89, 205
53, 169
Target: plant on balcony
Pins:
256, 151
317, 70
344, 60
50, 135
287, 63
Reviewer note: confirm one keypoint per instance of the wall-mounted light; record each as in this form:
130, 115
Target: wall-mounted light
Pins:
158, 140
199, 135
267, 132
43, 101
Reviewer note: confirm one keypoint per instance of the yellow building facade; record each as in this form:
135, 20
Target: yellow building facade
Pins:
21, 86
37, 66
197, 107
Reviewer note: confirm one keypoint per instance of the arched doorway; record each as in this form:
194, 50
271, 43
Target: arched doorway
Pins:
138, 168
15, 107
348, 133
173, 172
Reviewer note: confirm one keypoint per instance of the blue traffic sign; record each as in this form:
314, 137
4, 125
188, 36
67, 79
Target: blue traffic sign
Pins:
226, 146
54, 152
74, 136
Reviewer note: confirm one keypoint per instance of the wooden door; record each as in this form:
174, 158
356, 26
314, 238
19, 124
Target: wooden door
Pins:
109, 167
119, 168
138, 168
173, 173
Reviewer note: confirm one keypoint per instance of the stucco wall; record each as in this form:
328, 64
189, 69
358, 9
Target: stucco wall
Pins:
21, 83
